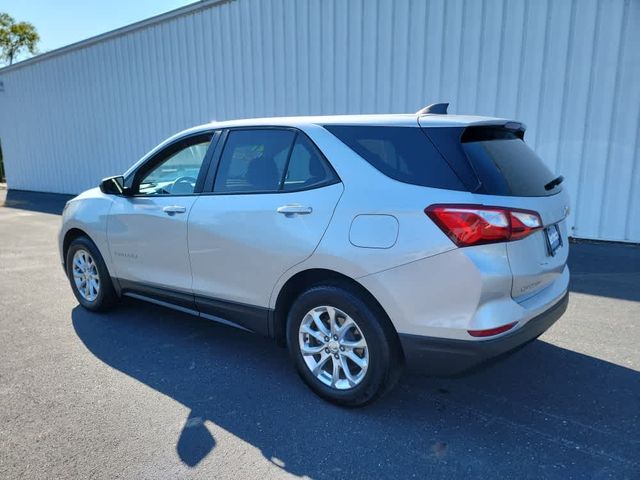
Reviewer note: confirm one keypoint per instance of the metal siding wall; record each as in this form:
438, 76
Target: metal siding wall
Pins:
568, 69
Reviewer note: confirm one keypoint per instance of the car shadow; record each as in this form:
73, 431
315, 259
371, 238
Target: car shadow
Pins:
543, 406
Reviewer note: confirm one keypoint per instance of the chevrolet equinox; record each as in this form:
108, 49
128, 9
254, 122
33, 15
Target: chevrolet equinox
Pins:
363, 243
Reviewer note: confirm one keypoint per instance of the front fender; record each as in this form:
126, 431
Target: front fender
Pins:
88, 213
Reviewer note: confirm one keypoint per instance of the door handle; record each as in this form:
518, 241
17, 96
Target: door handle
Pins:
173, 209
289, 210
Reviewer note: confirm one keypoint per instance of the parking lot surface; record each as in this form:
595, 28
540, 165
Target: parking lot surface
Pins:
145, 392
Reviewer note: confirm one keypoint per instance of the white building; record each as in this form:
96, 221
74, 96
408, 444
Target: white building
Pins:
569, 69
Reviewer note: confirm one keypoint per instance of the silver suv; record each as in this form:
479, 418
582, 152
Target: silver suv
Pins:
362, 243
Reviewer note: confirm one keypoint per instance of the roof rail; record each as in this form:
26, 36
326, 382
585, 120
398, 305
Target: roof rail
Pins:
440, 108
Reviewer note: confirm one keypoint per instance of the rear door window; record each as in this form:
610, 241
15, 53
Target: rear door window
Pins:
253, 160
402, 153
269, 160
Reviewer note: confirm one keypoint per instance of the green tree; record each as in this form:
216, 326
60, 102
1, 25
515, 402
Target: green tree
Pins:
15, 37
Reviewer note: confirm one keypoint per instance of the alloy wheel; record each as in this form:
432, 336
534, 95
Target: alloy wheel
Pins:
333, 347
85, 275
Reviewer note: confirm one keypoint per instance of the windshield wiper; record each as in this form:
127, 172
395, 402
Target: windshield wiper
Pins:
553, 183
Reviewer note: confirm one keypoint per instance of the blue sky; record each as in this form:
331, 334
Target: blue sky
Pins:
62, 22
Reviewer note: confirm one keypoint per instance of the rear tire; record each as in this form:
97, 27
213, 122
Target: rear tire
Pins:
89, 277
360, 343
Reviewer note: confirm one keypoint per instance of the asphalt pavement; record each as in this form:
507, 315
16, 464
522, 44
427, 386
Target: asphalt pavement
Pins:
145, 392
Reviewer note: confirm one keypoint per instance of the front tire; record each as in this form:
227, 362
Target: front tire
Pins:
89, 277
340, 346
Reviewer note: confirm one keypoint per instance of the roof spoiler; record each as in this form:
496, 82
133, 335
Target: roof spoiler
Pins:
439, 108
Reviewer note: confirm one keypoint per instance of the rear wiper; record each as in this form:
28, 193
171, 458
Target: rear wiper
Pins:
554, 182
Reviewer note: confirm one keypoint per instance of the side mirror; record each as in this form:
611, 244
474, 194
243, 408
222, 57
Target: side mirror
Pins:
114, 186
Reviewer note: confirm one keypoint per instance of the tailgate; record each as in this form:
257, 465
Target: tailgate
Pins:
537, 260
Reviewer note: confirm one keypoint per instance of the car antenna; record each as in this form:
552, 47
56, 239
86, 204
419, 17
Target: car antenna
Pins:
439, 108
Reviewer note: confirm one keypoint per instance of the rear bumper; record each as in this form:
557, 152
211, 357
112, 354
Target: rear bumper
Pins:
441, 356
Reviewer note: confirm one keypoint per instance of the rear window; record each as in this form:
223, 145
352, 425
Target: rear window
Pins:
403, 153
498, 159
505, 164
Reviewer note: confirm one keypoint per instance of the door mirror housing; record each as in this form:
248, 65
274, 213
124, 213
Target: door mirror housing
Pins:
114, 186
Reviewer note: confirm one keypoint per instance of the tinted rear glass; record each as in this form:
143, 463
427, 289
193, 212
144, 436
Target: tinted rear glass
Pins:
403, 153
505, 164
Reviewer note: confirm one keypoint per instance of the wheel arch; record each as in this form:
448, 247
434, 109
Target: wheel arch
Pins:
76, 232
309, 278
70, 235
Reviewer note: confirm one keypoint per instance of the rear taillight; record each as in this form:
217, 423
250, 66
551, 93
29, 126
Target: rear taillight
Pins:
468, 225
